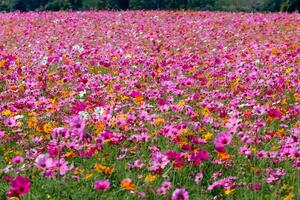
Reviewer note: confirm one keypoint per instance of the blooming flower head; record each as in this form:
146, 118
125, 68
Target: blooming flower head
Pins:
77, 123
17, 159
43, 161
19, 186
225, 183
101, 185
161, 191
222, 140
180, 194
10, 122
199, 156
274, 113
128, 184
159, 161
2, 134
167, 185
198, 177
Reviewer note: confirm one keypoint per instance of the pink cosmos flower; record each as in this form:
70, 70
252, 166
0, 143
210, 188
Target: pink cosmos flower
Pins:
101, 185
222, 140
77, 123
60, 132
233, 124
225, 183
159, 161
44, 161
259, 110
180, 194
10, 122
161, 191
198, 177
17, 160
19, 186
167, 185
2, 134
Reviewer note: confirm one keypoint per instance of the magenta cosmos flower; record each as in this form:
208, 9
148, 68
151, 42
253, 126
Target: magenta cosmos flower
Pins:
222, 140
199, 156
101, 185
17, 159
180, 194
19, 186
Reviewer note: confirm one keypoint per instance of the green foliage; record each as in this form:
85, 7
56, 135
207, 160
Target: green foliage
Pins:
201, 4
57, 5
143, 4
176, 4
93, 4
112, 4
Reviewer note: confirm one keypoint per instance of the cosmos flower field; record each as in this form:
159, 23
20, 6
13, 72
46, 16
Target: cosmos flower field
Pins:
149, 105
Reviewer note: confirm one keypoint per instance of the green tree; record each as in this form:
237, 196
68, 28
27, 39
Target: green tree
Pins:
175, 4
57, 5
93, 4
143, 4
75, 4
201, 4
124, 4
112, 4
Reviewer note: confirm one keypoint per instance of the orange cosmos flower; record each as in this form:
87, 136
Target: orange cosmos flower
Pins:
223, 155
127, 184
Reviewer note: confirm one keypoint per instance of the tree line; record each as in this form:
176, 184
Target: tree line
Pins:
223, 5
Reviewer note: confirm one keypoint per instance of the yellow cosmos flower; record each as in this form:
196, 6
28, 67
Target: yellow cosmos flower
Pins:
290, 196
78, 171
123, 98
47, 128
159, 70
149, 178
208, 136
110, 91
297, 97
275, 148
183, 131
6, 113
104, 169
205, 111
228, 192
99, 127
14, 198
159, 121
181, 103
288, 70
2, 63
70, 154
88, 176
115, 58
32, 122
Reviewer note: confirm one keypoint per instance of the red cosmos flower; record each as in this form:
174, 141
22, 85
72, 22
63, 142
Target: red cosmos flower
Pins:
19, 186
